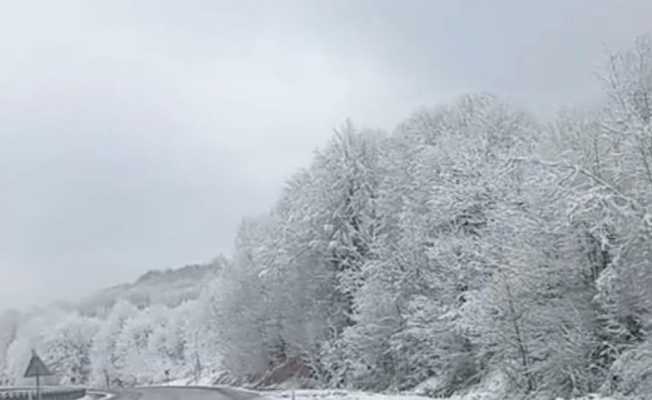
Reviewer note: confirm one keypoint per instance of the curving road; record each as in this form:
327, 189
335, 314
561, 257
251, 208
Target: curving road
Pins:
184, 393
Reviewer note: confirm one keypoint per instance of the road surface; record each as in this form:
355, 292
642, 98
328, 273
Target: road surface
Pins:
184, 393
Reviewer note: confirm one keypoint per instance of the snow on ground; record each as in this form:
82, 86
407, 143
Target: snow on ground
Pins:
355, 395
337, 395
493, 387
598, 397
97, 395
206, 381
209, 380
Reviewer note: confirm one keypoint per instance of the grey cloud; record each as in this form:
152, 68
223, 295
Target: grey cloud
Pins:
135, 135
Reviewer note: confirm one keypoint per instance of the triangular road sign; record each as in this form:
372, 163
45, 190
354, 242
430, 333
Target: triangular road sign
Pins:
36, 367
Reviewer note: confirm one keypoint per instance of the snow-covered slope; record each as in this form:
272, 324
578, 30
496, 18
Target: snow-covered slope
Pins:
337, 395
168, 287
356, 395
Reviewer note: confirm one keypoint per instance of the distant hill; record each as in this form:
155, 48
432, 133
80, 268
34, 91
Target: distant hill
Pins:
168, 287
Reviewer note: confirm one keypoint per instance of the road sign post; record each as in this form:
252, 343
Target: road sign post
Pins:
37, 369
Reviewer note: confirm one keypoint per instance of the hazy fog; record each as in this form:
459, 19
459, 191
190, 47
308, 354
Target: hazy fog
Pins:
135, 135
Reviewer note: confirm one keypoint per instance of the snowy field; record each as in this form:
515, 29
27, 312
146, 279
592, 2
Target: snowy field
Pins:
357, 395
338, 395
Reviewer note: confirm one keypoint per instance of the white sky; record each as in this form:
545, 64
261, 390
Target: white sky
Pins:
135, 135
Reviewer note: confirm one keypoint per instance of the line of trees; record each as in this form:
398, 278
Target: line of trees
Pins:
473, 239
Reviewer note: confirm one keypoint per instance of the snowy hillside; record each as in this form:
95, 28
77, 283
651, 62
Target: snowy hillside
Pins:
168, 287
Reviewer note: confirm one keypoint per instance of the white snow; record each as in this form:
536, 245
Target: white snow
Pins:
337, 395
487, 393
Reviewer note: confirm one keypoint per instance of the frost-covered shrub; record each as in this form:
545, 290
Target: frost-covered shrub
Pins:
631, 373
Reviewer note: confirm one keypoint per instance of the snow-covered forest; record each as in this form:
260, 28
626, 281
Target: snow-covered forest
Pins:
474, 239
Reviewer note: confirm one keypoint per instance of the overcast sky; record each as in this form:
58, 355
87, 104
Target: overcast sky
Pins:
135, 135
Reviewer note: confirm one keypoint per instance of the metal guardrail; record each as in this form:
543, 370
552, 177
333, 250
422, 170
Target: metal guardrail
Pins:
47, 393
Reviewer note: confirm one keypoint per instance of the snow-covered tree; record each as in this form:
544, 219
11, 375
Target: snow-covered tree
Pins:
443, 177
67, 346
8, 328
105, 359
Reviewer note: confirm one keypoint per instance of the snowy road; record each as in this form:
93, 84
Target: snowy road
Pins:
184, 393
